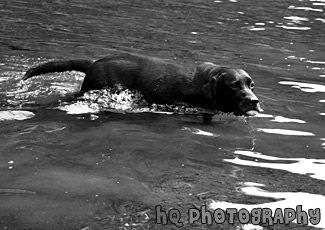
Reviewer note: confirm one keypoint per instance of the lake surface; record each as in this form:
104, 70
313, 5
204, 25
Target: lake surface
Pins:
66, 165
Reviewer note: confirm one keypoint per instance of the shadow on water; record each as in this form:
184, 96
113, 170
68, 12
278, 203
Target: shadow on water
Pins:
81, 165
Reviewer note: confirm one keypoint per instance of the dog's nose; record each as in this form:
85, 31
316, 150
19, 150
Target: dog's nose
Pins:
253, 101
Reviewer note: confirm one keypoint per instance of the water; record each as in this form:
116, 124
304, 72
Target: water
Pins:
105, 169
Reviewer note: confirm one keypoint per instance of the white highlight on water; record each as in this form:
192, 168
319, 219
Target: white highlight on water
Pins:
286, 132
303, 166
284, 119
200, 132
283, 200
305, 87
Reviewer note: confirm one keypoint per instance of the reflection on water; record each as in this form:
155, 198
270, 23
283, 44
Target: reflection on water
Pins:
200, 132
280, 119
305, 8
284, 119
286, 132
283, 201
311, 167
105, 159
305, 87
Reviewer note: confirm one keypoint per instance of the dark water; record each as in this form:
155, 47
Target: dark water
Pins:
108, 170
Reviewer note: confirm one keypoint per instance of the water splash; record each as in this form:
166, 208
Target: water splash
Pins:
123, 100
15, 115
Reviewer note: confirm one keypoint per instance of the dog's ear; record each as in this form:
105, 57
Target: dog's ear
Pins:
210, 89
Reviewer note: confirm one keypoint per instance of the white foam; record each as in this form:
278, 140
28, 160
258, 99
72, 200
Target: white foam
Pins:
63, 88
79, 108
121, 100
15, 115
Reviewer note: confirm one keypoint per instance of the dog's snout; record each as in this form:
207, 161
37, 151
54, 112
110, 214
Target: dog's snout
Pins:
254, 101
251, 102
251, 98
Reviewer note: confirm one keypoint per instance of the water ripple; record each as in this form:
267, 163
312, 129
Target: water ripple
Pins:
286, 132
305, 8
199, 132
293, 27
283, 200
305, 87
303, 166
284, 119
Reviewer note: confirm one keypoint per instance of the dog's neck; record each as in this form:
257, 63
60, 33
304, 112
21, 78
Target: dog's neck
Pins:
199, 77
192, 89
191, 86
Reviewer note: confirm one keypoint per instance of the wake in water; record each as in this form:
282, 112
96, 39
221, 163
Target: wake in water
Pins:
16, 95
119, 99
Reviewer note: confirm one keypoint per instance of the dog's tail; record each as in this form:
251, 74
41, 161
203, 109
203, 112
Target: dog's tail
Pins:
58, 66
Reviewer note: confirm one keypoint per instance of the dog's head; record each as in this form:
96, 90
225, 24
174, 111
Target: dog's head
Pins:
231, 90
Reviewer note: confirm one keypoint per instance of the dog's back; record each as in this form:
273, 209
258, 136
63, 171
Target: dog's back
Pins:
158, 80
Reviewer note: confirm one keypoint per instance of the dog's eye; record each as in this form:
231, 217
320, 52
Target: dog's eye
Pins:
252, 85
235, 85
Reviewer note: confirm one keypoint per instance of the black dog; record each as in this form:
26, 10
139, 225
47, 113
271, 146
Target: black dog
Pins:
210, 86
